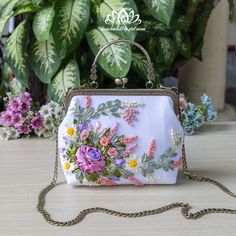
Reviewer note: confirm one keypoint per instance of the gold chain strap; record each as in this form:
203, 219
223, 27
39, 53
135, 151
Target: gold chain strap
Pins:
184, 206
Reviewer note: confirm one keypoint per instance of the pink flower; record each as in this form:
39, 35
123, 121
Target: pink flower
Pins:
129, 151
104, 141
113, 131
151, 149
106, 182
84, 134
135, 181
112, 152
130, 115
25, 97
37, 122
127, 140
6, 118
88, 101
15, 104
182, 103
90, 159
16, 119
25, 107
98, 125
24, 129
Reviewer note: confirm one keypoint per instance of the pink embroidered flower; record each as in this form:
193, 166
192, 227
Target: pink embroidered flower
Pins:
36, 122
90, 159
130, 115
98, 125
113, 131
177, 164
104, 141
129, 151
24, 129
112, 152
127, 140
106, 182
135, 181
84, 134
87, 101
151, 149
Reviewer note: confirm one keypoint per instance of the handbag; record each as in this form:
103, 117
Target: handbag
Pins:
123, 136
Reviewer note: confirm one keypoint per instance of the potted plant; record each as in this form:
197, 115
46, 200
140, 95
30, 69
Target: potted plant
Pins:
54, 42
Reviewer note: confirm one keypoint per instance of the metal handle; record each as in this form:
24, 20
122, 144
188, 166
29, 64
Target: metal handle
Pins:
150, 75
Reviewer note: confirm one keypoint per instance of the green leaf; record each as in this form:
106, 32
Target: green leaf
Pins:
162, 10
6, 13
37, 2
28, 8
183, 23
44, 59
66, 78
183, 43
69, 24
16, 87
139, 64
119, 13
43, 22
15, 55
166, 50
116, 59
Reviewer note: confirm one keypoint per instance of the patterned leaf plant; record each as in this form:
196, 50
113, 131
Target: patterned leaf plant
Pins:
52, 37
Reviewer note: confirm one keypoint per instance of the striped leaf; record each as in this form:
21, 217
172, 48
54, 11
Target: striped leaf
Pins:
27, 8
162, 10
118, 10
183, 43
44, 59
43, 22
116, 59
166, 50
16, 87
66, 78
69, 24
6, 13
15, 55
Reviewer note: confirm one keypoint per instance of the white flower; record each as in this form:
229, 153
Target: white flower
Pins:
68, 166
70, 130
7, 133
132, 163
4, 134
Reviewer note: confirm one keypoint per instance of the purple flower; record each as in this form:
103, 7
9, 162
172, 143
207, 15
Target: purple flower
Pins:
82, 126
90, 159
16, 119
15, 104
25, 107
6, 118
36, 122
25, 97
24, 129
119, 162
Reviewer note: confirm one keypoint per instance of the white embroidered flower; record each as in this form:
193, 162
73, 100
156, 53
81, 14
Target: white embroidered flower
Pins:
70, 130
68, 166
132, 163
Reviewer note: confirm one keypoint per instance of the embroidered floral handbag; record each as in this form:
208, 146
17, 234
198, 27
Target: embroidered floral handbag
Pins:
122, 136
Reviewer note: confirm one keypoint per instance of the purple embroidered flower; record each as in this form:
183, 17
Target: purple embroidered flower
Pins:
37, 122
119, 162
15, 104
16, 119
24, 129
90, 159
6, 118
82, 126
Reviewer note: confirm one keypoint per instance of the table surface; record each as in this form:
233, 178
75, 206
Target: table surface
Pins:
27, 165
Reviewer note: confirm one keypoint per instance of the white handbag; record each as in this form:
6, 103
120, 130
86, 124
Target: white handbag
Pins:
123, 136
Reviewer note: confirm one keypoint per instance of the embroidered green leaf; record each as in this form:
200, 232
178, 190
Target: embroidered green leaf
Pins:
116, 59
66, 78
115, 14
44, 59
5, 13
183, 43
42, 23
69, 24
27, 8
15, 55
162, 10
166, 50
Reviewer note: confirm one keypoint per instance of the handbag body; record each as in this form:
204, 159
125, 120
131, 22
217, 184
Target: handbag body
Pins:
123, 136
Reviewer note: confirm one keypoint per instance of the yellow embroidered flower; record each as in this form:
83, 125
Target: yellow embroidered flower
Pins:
67, 165
70, 131
132, 163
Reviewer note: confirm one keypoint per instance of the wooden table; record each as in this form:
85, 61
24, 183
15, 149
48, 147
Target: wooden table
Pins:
26, 166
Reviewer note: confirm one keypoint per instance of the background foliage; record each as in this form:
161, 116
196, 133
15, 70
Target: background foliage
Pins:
54, 42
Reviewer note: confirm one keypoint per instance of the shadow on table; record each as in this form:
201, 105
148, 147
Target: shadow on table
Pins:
216, 127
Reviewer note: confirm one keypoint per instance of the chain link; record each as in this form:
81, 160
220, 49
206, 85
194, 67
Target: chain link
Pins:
185, 207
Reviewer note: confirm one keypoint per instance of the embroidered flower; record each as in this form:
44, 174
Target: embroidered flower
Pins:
130, 115
119, 162
151, 149
70, 131
90, 159
132, 163
69, 166
84, 134
112, 152
87, 101
104, 141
